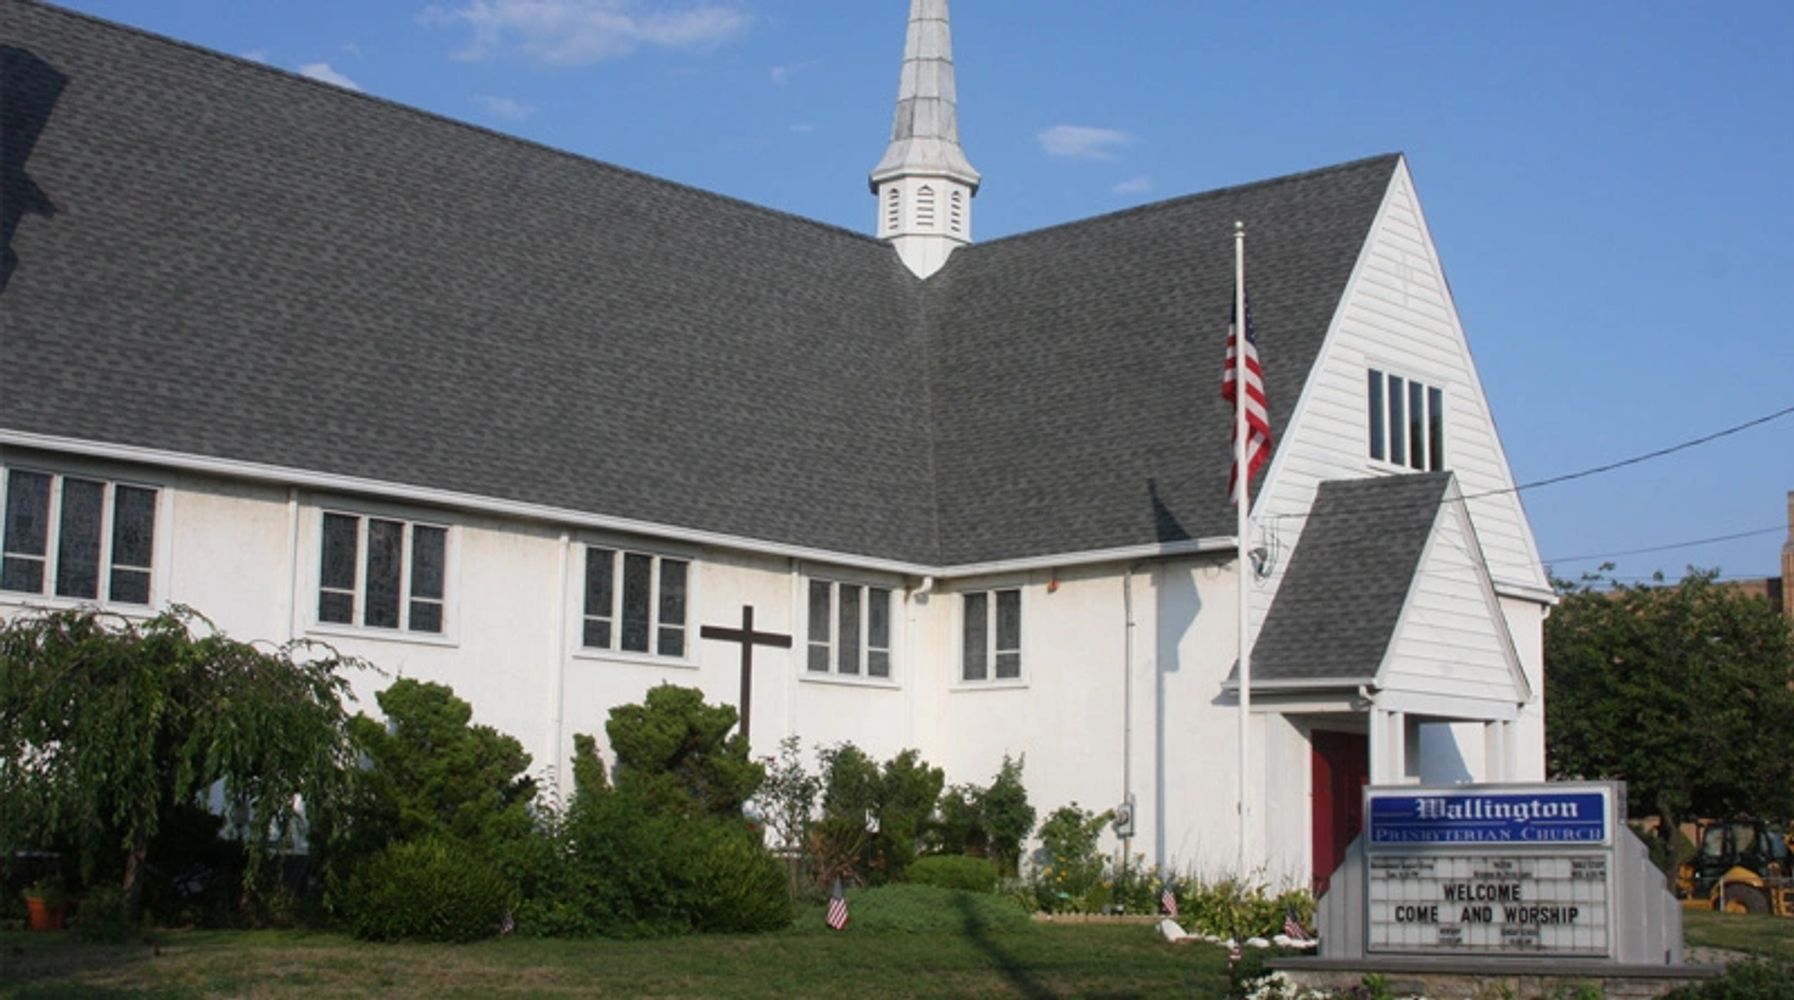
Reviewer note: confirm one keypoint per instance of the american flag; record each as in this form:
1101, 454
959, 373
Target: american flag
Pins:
837, 908
1258, 418
1168, 901
1292, 928
1233, 953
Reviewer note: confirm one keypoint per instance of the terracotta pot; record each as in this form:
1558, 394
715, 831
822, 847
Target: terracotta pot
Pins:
45, 917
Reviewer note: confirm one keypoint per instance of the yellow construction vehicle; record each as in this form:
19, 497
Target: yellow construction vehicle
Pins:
1743, 866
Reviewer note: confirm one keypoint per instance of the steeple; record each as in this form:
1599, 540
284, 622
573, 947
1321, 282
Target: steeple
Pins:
924, 184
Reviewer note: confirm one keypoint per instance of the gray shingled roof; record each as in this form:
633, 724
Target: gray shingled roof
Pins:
1336, 610
238, 263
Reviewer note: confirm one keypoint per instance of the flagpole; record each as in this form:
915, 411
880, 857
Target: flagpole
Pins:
1244, 474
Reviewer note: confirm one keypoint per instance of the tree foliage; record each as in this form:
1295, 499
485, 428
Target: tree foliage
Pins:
109, 725
899, 798
431, 773
678, 754
1680, 690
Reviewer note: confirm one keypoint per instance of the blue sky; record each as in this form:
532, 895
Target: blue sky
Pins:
1611, 185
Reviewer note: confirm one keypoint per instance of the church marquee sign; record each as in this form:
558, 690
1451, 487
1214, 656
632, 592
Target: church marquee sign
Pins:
1488, 870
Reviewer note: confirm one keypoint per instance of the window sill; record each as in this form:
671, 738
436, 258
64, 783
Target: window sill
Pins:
1384, 467
876, 683
382, 634
42, 602
634, 659
1006, 684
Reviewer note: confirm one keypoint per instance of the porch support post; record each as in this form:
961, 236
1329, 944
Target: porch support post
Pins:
1388, 747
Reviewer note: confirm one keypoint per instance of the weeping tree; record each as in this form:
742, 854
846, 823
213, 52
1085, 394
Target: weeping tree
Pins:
110, 725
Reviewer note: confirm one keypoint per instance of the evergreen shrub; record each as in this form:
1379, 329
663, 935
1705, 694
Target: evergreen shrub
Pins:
1757, 979
954, 872
434, 889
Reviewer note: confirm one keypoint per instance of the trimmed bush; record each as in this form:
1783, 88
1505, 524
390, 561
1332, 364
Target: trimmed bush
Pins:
1756, 979
926, 909
428, 890
735, 886
948, 871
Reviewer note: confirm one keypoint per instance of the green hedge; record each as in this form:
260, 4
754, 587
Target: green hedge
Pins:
428, 890
950, 871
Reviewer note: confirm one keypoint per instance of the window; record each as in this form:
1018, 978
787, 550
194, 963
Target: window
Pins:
850, 629
381, 572
993, 636
893, 210
956, 211
1407, 422
70, 536
635, 602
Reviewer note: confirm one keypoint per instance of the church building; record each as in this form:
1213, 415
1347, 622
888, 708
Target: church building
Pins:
486, 413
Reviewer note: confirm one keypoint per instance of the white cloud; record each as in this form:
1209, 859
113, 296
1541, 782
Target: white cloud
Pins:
781, 74
1134, 185
322, 71
803, 128
256, 55
1083, 142
353, 49
576, 32
509, 109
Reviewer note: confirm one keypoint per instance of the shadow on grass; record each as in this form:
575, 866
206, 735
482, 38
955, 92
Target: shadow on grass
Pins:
38, 964
1012, 968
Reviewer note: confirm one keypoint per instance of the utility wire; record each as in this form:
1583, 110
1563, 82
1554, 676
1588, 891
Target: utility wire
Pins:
1568, 476
1666, 547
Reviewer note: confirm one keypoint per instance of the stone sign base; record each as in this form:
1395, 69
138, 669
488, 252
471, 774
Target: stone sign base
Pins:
1518, 978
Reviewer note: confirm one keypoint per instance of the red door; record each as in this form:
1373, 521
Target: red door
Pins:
1341, 770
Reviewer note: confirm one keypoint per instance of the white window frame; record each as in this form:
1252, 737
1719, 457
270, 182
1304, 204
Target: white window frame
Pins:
990, 678
1386, 372
615, 652
364, 513
110, 483
893, 597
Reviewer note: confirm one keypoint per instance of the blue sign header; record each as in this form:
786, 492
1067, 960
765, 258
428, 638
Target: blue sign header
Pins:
1507, 817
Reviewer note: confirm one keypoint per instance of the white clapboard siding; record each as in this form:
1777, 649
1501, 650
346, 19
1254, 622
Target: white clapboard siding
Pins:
1452, 638
1397, 316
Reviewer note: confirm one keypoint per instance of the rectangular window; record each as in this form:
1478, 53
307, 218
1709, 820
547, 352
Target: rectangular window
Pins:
850, 629
381, 572
1398, 421
635, 602
1406, 421
1378, 435
69, 535
992, 638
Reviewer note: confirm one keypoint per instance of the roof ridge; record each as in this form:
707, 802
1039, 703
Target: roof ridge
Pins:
1164, 203
289, 75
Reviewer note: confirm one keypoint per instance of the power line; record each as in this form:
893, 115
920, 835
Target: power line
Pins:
1594, 470
1668, 546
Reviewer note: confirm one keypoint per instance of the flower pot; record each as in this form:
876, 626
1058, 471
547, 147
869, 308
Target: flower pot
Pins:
43, 916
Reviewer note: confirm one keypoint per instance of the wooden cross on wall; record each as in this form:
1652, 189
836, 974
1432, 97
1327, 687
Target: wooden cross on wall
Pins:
748, 639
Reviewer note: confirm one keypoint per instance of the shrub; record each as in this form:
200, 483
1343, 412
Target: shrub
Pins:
434, 774
900, 797
103, 917
1753, 980
926, 909
432, 890
1234, 907
1073, 875
954, 872
677, 753
1008, 817
735, 886
616, 867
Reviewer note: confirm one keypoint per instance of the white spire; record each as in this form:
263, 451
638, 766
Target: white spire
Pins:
924, 183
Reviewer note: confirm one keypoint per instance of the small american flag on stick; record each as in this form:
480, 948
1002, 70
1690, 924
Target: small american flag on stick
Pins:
1258, 414
1292, 928
837, 908
1168, 900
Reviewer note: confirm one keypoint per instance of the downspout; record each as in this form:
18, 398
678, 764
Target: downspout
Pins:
1127, 704
292, 608
557, 699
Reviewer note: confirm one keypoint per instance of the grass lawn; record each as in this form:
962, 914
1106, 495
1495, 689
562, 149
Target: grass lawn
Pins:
1045, 961
1770, 937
